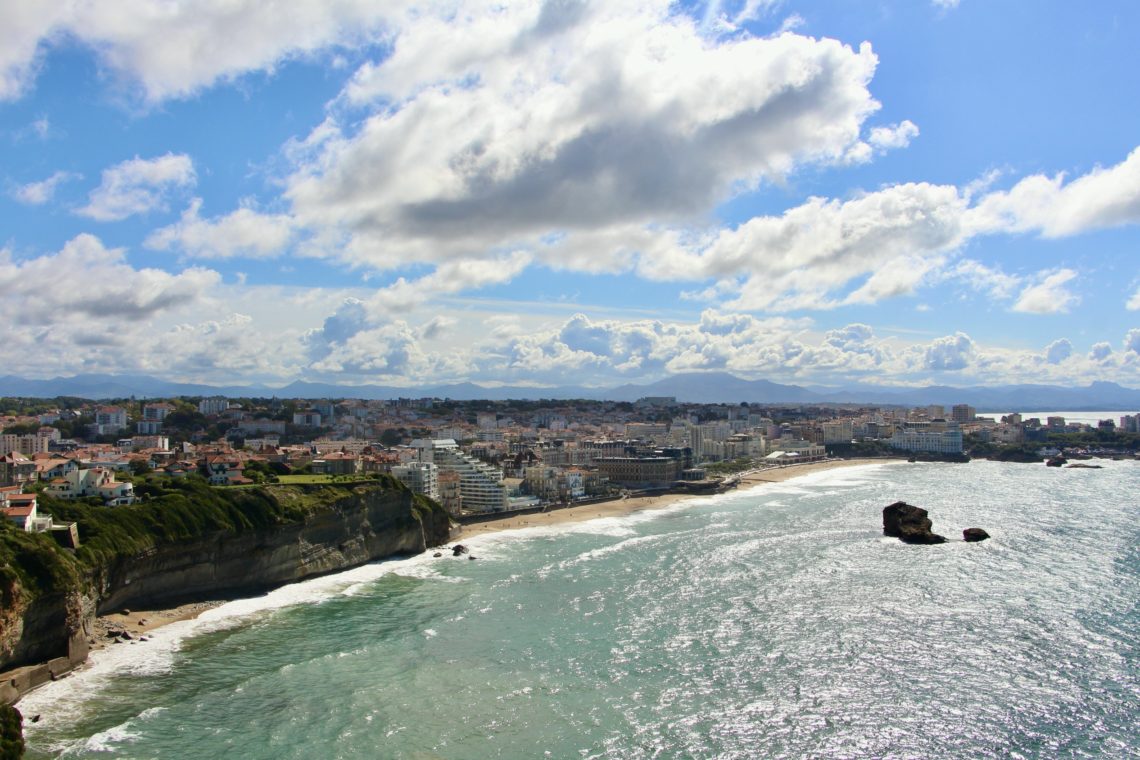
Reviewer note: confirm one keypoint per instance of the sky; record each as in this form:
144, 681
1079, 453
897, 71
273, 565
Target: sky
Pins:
902, 192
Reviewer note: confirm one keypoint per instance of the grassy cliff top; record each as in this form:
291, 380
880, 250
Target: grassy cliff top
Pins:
173, 511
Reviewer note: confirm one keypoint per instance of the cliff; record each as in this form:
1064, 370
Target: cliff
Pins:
208, 545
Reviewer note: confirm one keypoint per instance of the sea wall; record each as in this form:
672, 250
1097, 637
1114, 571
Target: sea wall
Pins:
49, 635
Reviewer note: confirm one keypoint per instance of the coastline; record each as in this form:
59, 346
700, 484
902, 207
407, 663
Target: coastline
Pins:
139, 623
622, 507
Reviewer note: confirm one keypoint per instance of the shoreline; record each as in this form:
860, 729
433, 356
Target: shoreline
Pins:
622, 507
138, 623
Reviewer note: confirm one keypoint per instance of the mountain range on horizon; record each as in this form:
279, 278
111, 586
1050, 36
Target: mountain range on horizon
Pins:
715, 387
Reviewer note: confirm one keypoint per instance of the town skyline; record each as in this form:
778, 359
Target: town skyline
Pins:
571, 194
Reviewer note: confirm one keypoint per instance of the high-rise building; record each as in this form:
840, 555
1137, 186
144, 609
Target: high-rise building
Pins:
963, 413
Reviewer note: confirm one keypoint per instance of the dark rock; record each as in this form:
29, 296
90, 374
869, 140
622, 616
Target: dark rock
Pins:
974, 534
1081, 466
1055, 461
458, 549
11, 732
126, 635
437, 554
113, 634
909, 524
472, 557
125, 612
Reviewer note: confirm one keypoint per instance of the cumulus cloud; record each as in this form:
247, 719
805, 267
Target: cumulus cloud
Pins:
243, 232
953, 352
1134, 302
608, 350
1132, 341
796, 260
1058, 351
23, 29
87, 281
448, 278
1099, 199
1048, 295
137, 186
1100, 351
503, 125
894, 136
172, 50
39, 193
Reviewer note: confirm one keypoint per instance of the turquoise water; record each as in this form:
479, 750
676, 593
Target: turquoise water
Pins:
776, 622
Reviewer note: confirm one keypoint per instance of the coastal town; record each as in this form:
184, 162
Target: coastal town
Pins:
481, 458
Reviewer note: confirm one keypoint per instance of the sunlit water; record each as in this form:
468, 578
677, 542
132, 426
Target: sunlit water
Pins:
771, 623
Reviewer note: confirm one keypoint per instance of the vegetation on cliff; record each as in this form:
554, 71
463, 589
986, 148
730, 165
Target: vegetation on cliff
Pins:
174, 511
32, 564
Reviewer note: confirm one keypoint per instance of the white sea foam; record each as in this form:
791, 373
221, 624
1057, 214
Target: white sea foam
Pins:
66, 699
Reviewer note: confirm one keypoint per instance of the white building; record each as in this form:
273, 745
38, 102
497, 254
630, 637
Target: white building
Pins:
481, 485
941, 439
96, 481
213, 405
420, 477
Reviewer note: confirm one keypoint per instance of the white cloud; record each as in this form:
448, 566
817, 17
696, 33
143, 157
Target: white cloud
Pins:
448, 278
23, 28
503, 125
137, 186
1133, 302
87, 282
1100, 351
796, 260
1100, 199
996, 283
953, 352
243, 232
38, 193
1058, 351
172, 50
895, 136
1049, 295
945, 4
1132, 341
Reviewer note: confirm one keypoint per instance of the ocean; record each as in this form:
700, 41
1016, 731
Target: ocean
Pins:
776, 622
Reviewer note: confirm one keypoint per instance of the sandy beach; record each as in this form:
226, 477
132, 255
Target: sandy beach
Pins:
138, 623
617, 508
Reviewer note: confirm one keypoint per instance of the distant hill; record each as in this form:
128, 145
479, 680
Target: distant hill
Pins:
703, 387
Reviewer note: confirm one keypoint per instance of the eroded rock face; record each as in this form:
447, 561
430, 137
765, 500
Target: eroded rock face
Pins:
909, 524
974, 534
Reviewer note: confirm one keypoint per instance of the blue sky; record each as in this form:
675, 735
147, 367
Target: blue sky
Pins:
546, 193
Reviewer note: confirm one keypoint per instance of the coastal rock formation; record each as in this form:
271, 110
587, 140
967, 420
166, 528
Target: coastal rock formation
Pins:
909, 524
974, 534
1055, 461
365, 525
